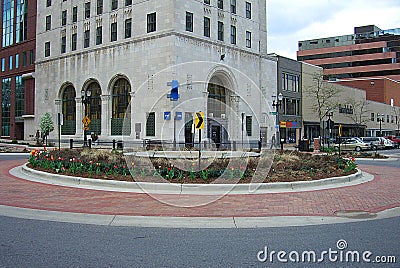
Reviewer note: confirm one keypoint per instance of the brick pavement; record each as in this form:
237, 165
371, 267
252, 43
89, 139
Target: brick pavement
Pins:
377, 195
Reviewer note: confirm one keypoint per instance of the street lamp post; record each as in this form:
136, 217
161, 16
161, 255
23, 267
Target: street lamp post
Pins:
379, 117
277, 102
329, 123
85, 96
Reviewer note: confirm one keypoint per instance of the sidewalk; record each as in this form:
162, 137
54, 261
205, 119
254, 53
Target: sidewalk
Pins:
315, 206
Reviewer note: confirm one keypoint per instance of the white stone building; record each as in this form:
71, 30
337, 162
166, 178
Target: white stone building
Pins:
125, 52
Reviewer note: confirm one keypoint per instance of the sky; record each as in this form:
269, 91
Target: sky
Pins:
290, 21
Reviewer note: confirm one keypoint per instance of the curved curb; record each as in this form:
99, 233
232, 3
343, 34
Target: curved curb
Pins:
377, 159
185, 222
25, 172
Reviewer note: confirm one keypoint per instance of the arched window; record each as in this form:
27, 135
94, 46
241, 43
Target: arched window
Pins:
120, 121
69, 111
216, 103
94, 109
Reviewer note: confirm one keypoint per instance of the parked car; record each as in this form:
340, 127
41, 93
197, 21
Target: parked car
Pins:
395, 139
353, 144
389, 144
374, 142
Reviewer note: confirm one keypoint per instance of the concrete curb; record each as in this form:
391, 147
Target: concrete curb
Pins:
197, 189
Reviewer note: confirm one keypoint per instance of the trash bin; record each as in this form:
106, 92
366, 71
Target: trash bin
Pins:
304, 146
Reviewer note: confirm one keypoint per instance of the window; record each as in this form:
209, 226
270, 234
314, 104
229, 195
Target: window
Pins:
248, 39
233, 35
48, 3
87, 10
8, 23
189, 22
151, 124
69, 111
248, 10
73, 41
63, 44
113, 31
99, 35
291, 106
290, 82
216, 102
86, 39
220, 31
24, 58
372, 116
128, 2
5, 106
120, 121
220, 4
207, 2
3, 64
10, 62
233, 6
47, 49
48, 23
94, 112
151, 22
21, 26
206, 27
19, 96
392, 119
249, 124
128, 28
16, 61
99, 7
64, 18
75, 14
114, 4
31, 57
387, 118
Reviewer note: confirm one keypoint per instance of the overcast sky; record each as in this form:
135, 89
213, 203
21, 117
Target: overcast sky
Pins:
290, 21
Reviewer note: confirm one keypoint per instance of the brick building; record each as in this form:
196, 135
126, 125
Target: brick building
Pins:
17, 55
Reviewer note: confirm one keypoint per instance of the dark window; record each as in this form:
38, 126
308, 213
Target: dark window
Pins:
120, 121
87, 10
99, 35
63, 44
248, 39
207, 2
5, 106
48, 3
151, 124
99, 7
128, 2
113, 31
47, 49
248, 10
69, 111
128, 28
64, 18
220, 31
216, 102
233, 35
206, 27
220, 4
31, 57
94, 109
73, 41
151, 22
189, 22
75, 14
48, 23
19, 96
114, 4
233, 6
24, 58
249, 124
86, 39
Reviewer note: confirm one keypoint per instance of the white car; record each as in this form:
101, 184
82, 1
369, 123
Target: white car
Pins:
388, 143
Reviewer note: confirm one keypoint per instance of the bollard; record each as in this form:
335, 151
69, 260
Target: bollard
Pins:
113, 144
71, 143
90, 143
234, 145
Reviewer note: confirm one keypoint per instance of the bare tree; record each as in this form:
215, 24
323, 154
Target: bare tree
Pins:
324, 97
359, 115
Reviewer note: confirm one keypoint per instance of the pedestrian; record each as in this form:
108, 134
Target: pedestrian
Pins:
37, 136
273, 141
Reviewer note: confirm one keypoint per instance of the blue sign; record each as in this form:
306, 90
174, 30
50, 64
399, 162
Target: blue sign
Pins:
178, 115
167, 115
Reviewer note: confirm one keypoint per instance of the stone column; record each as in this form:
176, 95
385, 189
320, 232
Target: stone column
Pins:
105, 115
79, 117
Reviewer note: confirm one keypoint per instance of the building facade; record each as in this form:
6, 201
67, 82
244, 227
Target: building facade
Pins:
115, 62
369, 52
17, 54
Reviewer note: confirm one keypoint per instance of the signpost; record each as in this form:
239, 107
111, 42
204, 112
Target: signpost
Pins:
199, 124
340, 136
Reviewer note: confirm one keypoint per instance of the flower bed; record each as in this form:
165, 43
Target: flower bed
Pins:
286, 166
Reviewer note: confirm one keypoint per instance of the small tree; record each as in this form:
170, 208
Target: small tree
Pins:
359, 115
46, 125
